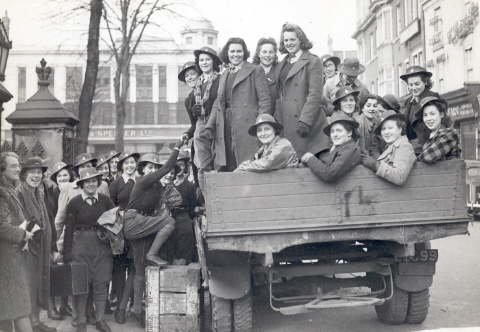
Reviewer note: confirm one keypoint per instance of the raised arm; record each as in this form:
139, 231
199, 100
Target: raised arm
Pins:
279, 156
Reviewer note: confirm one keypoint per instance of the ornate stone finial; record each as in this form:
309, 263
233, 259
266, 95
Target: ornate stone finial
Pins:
37, 149
43, 73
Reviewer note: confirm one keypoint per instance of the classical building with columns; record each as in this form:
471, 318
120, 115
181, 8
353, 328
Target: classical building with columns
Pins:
156, 115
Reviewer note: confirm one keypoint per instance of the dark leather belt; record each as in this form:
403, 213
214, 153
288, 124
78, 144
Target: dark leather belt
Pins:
92, 228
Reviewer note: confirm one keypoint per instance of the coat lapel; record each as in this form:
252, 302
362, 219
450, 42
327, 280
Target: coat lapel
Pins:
221, 90
246, 70
271, 77
278, 69
297, 66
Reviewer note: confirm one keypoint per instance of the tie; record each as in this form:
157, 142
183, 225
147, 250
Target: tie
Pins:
232, 69
130, 181
414, 101
90, 200
291, 58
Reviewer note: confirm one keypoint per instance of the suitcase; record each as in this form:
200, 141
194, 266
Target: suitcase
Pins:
68, 279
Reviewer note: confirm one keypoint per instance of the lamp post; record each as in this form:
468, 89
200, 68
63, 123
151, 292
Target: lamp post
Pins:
5, 46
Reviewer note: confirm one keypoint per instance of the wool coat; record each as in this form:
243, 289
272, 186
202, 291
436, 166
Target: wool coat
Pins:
14, 294
38, 267
396, 161
301, 100
272, 88
250, 98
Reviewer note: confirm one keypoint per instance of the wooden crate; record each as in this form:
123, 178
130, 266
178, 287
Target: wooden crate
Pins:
173, 302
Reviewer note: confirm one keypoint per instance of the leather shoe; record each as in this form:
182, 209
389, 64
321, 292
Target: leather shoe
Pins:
40, 327
54, 314
108, 310
65, 311
120, 316
82, 327
102, 326
91, 318
155, 260
139, 317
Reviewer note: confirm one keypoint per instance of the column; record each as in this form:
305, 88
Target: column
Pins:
32, 82
172, 92
61, 83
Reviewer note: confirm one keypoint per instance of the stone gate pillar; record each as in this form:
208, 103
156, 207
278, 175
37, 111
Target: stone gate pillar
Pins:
42, 126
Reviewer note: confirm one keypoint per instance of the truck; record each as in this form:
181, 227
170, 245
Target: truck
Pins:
473, 188
357, 241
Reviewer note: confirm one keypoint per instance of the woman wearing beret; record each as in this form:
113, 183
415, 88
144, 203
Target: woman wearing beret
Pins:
242, 95
38, 255
385, 103
444, 142
189, 75
330, 64
276, 152
266, 57
83, 245
395, 163
15, 304
344, 153
419, 85
300, 83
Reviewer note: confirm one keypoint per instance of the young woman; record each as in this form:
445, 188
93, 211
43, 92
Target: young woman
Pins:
444, 142
276, 152
104, 169
242, 95
300, 84
369, 111
38, 255
266, 57
385, 103
112, 159
344, 153
395, 163
83, 245
330, 64
419, 85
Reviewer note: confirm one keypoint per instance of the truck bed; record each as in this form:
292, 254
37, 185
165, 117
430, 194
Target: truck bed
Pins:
266, 212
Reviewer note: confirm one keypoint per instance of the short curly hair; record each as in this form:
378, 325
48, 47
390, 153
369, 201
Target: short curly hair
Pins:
336, 106
364, 100
3, 160
425, 79
234, 40
305, 43
216, 63
349, 128
447, 120
263, 41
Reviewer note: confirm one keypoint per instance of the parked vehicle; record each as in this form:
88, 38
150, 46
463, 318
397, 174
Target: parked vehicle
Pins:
473, 188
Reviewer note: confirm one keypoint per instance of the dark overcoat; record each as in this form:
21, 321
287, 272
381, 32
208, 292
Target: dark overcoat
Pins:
300, 100
14, 294
38, 266
250, 97
272, 88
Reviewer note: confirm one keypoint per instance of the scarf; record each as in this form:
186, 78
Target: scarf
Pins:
198, 91
37, 198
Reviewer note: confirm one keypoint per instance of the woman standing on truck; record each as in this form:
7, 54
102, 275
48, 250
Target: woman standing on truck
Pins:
276, 152
330, 64
343, 155
266, 57
395, 163
444, 142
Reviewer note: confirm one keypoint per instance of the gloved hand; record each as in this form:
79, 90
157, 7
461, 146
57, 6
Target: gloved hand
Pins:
68, 257
303, 129
38, 236
370, 162
197, 110
208, 133
305, 158
179, 143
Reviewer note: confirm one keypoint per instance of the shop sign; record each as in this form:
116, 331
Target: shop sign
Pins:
460, 111
110, 133
441, 58
436, 41
465, 26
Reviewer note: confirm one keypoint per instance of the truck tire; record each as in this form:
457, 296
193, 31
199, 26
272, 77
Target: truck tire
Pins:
242, 314
418, 303
393, 311
221, 314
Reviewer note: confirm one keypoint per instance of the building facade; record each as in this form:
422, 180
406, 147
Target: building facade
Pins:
156, 115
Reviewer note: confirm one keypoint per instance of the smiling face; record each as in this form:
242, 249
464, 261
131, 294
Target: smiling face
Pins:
85, 165
415, 85
104, 170
329, 68
150, 168
339, 134
129, 166
380, 109
181, 164
291, 42
12, 170
90, 186
63, 176
205, 62
191, 77
370, 108
265, 133
267, 55
168, 178
347, 104
432, 117
390, 131
33, 177
235, 54
113, 165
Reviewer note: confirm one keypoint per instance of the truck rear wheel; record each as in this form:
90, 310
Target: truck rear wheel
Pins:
393, 311
242, 314
418, 303
221, 314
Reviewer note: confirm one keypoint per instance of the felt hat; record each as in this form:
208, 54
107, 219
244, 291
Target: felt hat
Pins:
264, 118
339, 116
210, 51
33, 163
84, 158
112, 154
335, 59
187, 66
351, 67
391, 101
101, 160
176, 167
124, 155
343, 92
388, 115
57, 168
147, 158
88, 173
183, 155
425, 101
415, 70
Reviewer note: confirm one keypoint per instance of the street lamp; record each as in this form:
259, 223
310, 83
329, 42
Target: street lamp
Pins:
5, 45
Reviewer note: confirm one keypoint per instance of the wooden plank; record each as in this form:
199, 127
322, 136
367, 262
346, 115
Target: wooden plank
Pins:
172, 323
193, 301
152, 310
173, 279
173, 303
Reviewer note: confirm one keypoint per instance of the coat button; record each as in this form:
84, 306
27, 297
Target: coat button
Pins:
296, 116
294, 100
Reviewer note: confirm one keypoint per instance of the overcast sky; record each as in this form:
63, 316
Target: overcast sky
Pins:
249, 19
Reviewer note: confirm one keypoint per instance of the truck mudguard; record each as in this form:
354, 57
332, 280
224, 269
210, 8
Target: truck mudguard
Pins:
230, 282
413, 277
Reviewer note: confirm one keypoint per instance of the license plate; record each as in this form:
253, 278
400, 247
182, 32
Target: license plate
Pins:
421, 256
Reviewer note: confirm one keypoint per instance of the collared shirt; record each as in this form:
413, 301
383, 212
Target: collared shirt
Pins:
237, 68
267, 69
335, 83
294, 58
85, 196
443, 145
126, 177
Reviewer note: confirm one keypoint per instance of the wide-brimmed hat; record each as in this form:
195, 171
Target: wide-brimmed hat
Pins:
183, 155
101, 160
124, 155
57, 168
176, 167
34, 162
112, 154
210, 51
187, 66
415, 70
351, 67
391, 101
388, 115
84, 158
148, 158
335, 59
337, 117
88, 173
264, 118
425, 101
343, 92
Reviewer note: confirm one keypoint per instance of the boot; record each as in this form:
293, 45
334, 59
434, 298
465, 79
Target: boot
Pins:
160, 238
